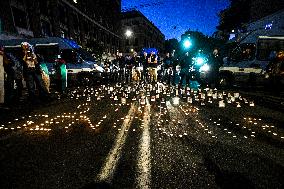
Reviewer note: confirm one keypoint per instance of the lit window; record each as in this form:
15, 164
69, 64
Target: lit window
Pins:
75, 1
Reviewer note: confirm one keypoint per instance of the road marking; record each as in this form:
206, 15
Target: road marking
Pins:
114, 155
144, 154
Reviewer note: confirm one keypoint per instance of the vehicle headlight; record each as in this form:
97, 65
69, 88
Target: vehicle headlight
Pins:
98, 68
204, 68
200, 61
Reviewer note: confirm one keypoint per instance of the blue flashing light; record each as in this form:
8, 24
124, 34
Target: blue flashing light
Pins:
149, 50
72, 43
268, 26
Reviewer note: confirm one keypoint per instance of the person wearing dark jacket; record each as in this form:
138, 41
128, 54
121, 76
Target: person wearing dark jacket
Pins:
14, 69
185, 65
31, 71
128, 68
121, 65
215, 61
136, 76
275, 70
2, 91
168, 69
144, 60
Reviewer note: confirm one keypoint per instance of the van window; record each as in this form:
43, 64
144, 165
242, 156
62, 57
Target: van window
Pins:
243, 52
69, 56
248, 51
266, 46
85, 55
48, 53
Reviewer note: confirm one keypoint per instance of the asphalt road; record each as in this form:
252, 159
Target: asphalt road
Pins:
96, 138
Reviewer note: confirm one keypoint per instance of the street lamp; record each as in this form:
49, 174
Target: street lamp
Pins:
128, 33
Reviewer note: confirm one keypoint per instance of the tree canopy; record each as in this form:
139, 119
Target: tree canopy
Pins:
201, 42
235, 16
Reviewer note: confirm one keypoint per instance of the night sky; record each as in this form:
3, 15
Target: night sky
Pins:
174, 17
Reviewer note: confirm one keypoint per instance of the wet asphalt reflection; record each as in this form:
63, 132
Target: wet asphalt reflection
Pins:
144, 136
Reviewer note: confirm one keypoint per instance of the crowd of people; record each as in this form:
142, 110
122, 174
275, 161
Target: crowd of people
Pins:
147, 68
25, 66
134, 68
150, 68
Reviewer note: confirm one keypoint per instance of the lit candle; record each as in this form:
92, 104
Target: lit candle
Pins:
221, 104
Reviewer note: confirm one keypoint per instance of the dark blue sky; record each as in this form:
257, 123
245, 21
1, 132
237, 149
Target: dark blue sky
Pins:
184, 14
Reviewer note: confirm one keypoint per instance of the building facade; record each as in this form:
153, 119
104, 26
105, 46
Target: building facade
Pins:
81, 20
144, 33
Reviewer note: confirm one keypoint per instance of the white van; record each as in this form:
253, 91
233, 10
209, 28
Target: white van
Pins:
79, 63
247, 62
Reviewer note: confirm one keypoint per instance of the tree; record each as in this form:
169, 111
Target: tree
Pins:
95, 47
201, 42
235, 16
170, 45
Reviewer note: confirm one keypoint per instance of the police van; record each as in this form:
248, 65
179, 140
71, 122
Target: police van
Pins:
79, 63
247, 61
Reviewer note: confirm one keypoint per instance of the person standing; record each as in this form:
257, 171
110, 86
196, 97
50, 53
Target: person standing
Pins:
30, 68
185, 65
215, 63
152, 64
168, 69
121, 65
2, 92
175, 64
128, 68
276, 72
136, 68
14, 70
61, 75
144, 60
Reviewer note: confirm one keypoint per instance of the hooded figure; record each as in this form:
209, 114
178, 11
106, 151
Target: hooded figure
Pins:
31, 71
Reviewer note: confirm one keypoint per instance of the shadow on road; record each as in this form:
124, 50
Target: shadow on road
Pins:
226, 179
100, 185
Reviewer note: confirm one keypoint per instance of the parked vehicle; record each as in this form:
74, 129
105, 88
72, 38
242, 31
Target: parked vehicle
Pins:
248, 60
79, 63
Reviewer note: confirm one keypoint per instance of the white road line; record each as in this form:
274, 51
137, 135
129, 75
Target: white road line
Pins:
144, 154
114, 155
